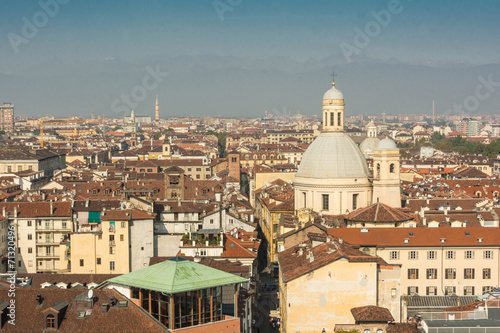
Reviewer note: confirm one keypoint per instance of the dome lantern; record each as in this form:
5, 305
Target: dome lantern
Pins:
333, 110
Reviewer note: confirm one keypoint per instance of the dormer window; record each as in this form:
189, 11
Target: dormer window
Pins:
50, 321
54, 315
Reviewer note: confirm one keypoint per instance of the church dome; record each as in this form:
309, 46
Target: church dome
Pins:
369, 144
387, 144
333, 93
333, 155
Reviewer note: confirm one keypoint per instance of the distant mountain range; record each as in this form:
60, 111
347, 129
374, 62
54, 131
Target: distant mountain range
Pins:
233, 86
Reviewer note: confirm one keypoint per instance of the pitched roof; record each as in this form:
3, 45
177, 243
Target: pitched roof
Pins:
30, 317
126, 214
38, 279
233, 267
378, 212
37, 209
371, 313
401, 328
295, 261
177, 275
467, 236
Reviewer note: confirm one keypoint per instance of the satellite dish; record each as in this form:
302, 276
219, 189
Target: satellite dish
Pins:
91, 293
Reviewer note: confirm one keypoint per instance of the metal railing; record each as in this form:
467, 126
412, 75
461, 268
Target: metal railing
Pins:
455, 315
462, 330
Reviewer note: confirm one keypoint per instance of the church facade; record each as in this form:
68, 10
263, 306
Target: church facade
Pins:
333, 176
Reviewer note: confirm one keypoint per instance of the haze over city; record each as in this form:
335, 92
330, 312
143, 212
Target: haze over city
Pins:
241, 58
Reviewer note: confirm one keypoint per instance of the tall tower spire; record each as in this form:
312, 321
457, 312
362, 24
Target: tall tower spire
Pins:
157, 110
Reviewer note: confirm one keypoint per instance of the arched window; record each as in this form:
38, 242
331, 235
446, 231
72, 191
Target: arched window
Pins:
478, 194
391, 168
378, 170
247, 157
254, 157
51, 321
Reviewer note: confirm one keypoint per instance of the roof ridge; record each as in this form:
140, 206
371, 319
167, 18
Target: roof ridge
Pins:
376, 211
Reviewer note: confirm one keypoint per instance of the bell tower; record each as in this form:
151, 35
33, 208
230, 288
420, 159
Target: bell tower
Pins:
371, 130
386, 177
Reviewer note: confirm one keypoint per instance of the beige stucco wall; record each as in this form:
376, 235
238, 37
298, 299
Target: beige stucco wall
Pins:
441, 263
386, 185
326, 296
89, 247
389, 289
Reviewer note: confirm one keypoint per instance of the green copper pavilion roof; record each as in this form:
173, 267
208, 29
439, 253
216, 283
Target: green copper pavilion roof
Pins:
177, 275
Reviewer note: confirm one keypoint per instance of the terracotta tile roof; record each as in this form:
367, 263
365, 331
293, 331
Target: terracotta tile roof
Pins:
421, 236
434, 204
378, 212
38, 279
401, 328
236, 248
95, 205
126, 214
30, 316
296, 261
371, 313
175, 206
470, 173
37, 209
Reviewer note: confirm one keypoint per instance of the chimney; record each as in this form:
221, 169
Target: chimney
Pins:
39, 300
311, 257
112, 300
341, 240
104, 308
51, 208
87, 202
15, 211
4, 211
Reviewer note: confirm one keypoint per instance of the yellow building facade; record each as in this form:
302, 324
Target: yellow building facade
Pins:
101, 252
318, 296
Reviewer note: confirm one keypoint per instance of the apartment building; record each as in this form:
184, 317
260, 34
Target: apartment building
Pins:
15, 159
435, 261
122, 242
7, 117
306, 136
40, 228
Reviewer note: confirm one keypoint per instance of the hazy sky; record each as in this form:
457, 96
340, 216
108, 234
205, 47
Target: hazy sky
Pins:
240, 57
